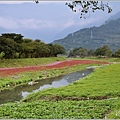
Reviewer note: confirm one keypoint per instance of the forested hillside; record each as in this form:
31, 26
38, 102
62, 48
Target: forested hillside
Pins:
13, 45
94, 37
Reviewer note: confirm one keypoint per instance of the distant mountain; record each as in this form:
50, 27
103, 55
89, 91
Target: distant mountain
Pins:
94, 37
77, 27
74, 28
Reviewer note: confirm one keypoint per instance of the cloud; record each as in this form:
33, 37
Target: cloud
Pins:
7, 23
68, 23
15, 23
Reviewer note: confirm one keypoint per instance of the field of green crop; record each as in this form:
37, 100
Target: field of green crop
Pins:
65, 109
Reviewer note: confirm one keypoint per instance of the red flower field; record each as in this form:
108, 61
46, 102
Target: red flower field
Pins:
60, 64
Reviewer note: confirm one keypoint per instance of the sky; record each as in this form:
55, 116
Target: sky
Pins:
48, 20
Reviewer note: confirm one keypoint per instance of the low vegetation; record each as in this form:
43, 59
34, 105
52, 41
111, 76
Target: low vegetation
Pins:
96, 96
65, 109
6, 63
103, 83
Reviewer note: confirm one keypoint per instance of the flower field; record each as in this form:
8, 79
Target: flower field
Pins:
16, 70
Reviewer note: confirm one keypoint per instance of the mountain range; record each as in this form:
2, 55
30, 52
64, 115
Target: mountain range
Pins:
94, 37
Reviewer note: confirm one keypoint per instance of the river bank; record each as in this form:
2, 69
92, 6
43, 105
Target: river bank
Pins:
12, 77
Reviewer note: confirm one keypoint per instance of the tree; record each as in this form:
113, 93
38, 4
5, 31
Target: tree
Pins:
81, 52
8, 47
15, 46
103, 51
108, 53
84, 7
16, 37
91, 53
56, 49
2, 54
117, 53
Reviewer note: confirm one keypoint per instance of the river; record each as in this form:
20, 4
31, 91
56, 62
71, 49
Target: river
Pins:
20, 92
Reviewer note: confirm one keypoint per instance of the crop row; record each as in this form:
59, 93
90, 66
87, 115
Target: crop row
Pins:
89, 109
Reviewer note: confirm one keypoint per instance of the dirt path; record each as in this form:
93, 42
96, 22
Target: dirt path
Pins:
60, 64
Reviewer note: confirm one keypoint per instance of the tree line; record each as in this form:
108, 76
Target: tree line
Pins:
103, 51
13, 45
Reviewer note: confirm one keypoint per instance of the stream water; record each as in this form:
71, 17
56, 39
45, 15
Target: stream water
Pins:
21, 91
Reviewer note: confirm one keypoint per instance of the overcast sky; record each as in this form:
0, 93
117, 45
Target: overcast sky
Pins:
46, 19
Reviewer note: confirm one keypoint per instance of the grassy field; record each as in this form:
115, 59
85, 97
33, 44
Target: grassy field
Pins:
96, 96
99, 59
5, 63
104, 82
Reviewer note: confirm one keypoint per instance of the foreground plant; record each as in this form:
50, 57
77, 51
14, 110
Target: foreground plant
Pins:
89, 109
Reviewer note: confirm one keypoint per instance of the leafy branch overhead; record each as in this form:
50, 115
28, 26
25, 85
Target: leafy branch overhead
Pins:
84, 7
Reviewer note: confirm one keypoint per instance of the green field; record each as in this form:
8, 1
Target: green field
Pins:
103, 82
89, 109
96, 96
5, 63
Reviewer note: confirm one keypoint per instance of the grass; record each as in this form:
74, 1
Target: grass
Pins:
5, 63
99, 59
104, 82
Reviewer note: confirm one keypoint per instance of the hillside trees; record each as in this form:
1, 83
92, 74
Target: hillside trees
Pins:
103, 51
13, 45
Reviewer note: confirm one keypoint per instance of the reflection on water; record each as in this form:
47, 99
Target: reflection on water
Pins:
21, 91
